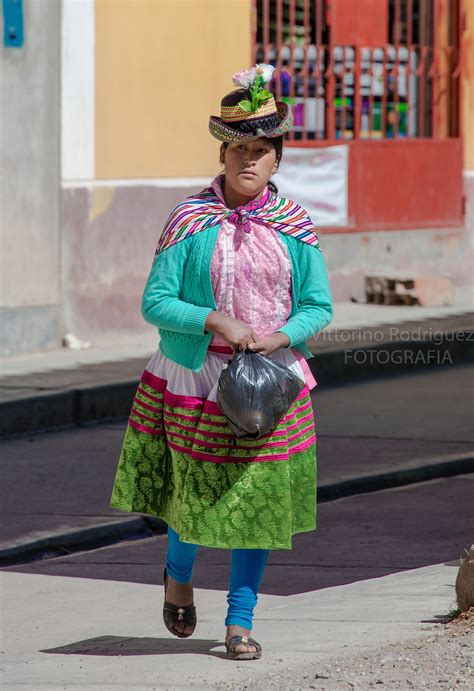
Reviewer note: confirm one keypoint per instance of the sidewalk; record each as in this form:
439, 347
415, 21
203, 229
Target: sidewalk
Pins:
347, 316
65, 387
80, 633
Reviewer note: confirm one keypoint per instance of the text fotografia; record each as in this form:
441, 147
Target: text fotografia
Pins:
417, 335
381, 356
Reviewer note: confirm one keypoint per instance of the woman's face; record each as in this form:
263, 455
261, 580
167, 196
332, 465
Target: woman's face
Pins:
249, 165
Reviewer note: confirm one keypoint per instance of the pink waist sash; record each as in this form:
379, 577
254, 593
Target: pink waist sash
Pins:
221, 349
310, 380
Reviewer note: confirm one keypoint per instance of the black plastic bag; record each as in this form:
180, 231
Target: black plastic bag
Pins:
254, 392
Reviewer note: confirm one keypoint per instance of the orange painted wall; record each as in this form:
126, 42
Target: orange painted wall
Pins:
467, 83
162, 67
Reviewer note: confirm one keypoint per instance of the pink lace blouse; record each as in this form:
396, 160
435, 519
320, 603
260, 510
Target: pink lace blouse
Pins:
251, 275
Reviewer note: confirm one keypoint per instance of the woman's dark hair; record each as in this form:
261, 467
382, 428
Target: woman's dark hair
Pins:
272, 186
277, 143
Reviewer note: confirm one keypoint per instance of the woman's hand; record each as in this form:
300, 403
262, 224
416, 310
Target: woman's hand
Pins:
237, 333
268, 345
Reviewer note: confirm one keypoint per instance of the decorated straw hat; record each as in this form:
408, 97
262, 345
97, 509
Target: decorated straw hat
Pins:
251, 111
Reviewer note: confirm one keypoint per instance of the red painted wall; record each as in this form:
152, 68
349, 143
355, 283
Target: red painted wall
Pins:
358, 22
403, 184
406, 184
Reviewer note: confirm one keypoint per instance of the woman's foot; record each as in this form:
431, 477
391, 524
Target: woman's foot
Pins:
235, 630
180, 594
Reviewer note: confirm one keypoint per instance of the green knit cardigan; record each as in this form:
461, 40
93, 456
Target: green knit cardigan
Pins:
178, 296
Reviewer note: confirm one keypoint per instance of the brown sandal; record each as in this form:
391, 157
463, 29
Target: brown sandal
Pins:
175, 614
232, 643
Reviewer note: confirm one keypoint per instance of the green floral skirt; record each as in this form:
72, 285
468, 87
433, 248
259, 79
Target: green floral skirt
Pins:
181, 461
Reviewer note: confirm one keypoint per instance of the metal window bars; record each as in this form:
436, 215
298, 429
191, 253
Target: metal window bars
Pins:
406, 88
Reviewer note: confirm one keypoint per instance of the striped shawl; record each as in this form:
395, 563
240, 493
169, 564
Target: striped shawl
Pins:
205, 209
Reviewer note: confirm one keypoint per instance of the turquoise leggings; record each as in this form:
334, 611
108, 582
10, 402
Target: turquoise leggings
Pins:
247, 567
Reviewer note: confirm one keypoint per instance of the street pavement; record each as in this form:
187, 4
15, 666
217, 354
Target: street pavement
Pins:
60, 482
359, 537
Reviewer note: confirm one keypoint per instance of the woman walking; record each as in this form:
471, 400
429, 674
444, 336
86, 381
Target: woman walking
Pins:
236, 267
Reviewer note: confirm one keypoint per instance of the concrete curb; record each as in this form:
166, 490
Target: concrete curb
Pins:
111, 402
356, 361
70, 408
86, 539
141, 527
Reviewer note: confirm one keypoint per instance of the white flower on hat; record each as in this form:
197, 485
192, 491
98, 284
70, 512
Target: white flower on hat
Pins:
254, 81
245, 78
265, 71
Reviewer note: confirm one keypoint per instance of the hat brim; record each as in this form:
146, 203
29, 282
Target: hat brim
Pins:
221, 130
